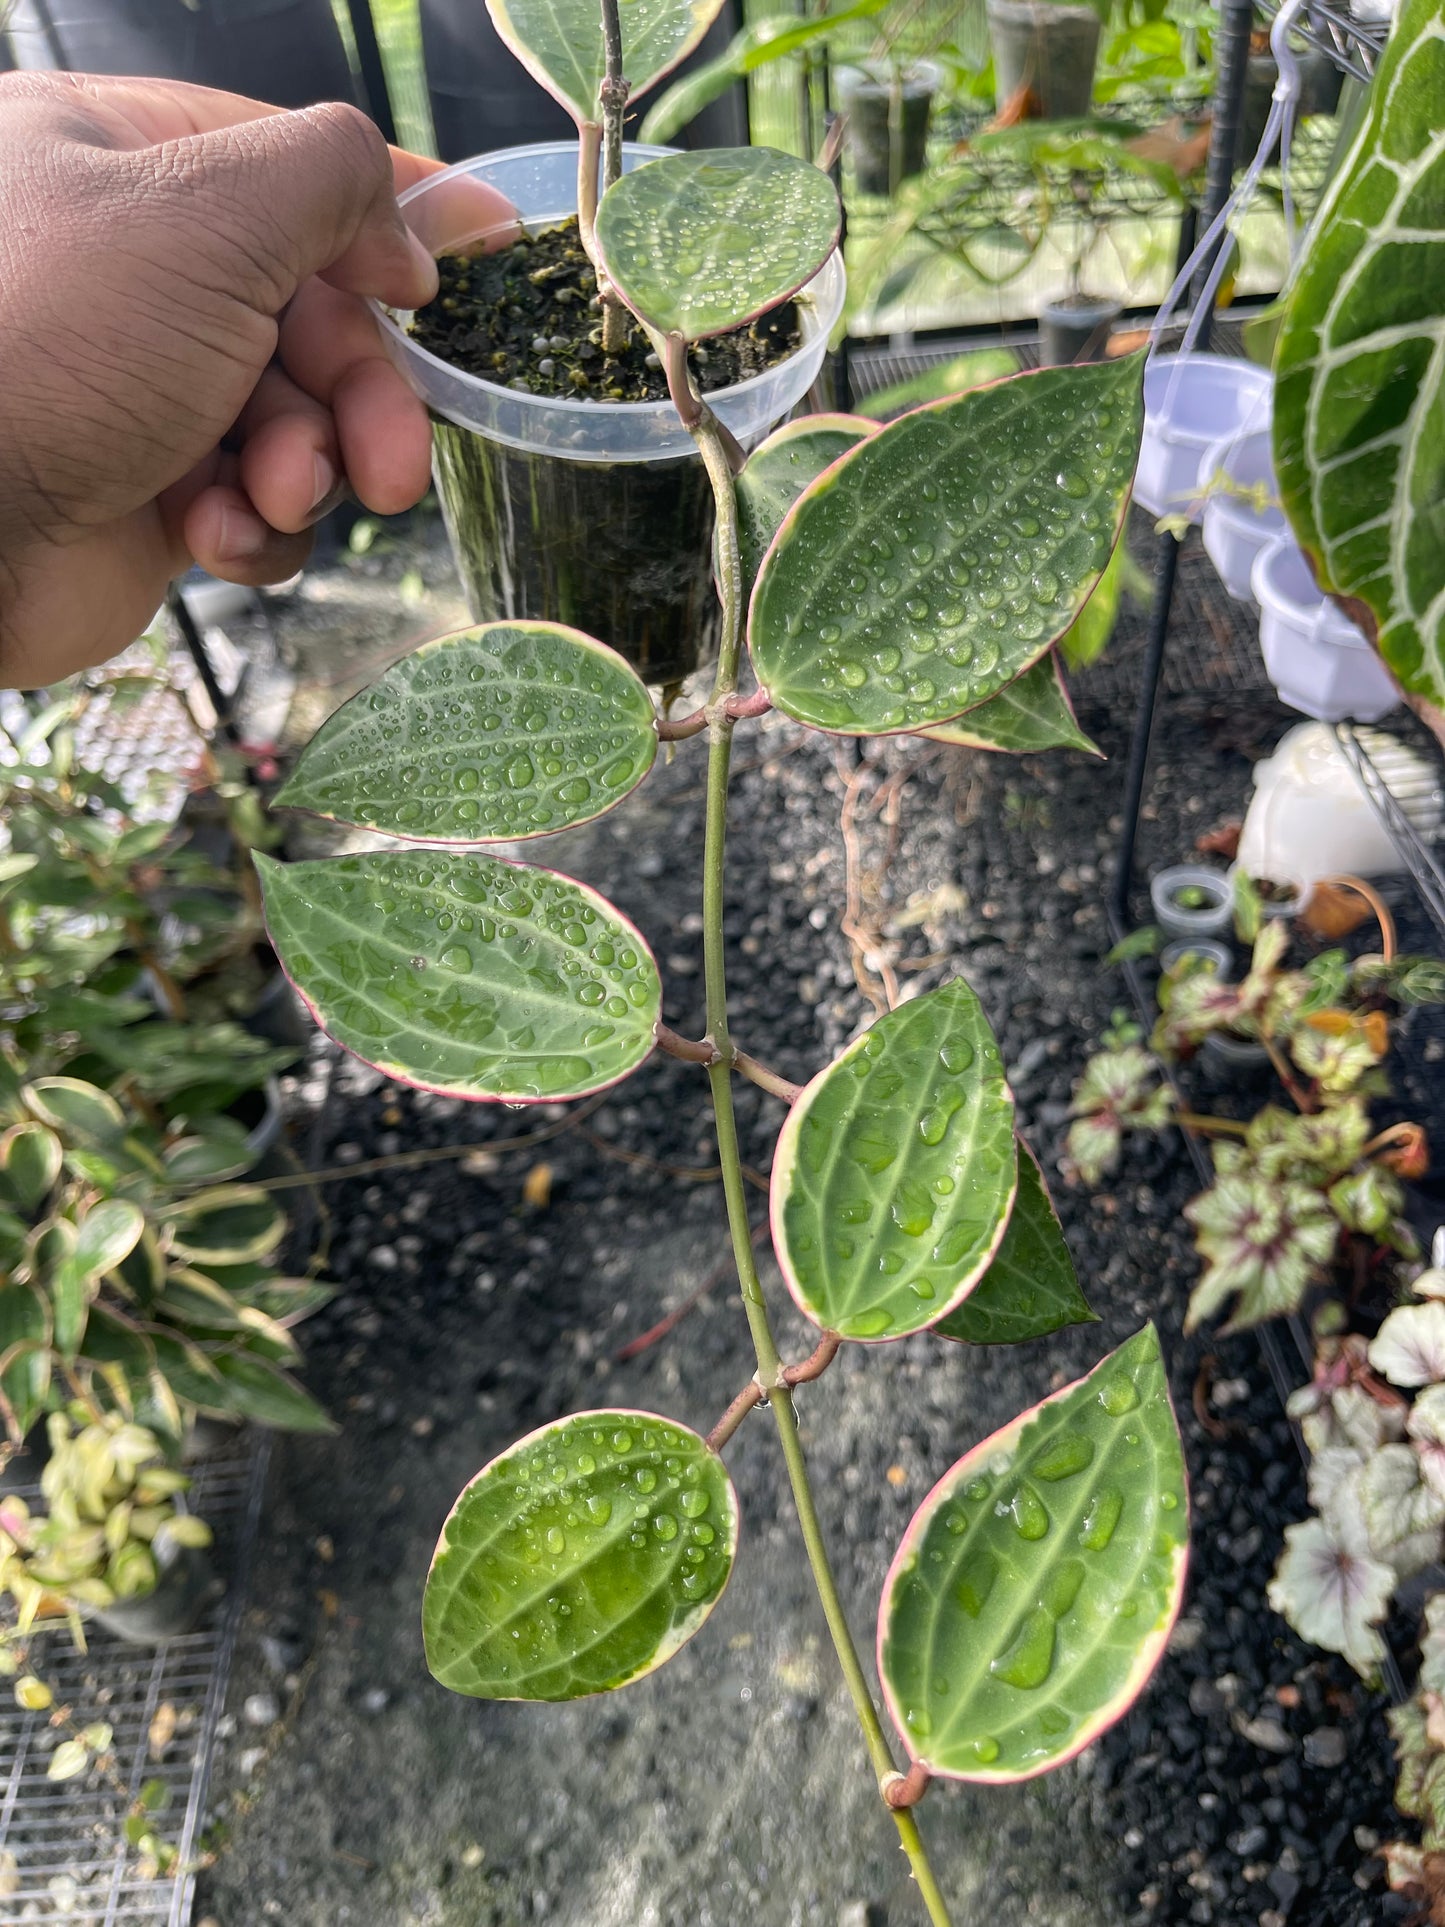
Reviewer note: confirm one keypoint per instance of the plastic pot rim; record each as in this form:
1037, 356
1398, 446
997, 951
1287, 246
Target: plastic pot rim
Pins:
825, 294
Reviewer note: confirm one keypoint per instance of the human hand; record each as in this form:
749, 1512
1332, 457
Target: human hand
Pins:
190, 372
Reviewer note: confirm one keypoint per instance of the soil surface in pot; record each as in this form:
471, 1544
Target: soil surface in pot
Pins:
1251, 1782
527, 318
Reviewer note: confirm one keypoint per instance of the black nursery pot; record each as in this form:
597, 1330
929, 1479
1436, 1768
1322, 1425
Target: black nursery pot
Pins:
1076, 328
597, 514
187, 1585
888, 128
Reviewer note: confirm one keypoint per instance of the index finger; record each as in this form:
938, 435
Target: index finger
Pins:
165, 110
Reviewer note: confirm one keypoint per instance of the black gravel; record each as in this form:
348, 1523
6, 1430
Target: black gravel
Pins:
1251, 1782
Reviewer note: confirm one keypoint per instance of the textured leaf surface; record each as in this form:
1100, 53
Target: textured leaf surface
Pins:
895, 1171
1032, 712
1359, 414
559, 42
700, 243
942, 557
1031, 1288
465, 974
777, 473
1035, 1589
511, 730
580, 1559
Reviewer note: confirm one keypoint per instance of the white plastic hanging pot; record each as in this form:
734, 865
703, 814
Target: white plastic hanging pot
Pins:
1235, 528
1191, 402
1317, 659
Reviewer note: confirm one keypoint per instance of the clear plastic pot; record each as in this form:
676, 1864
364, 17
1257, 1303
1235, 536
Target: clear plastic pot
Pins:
1209, 949
596, 514
1209, 914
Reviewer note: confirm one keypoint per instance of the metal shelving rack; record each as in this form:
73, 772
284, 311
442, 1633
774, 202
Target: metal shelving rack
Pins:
64, 1859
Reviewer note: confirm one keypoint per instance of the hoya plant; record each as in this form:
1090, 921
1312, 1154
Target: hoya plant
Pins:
137, 1268
900, 579
1303, 1182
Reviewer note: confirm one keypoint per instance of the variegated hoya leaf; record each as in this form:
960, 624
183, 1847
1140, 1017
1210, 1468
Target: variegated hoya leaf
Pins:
506, 731
896, 1170
1031, 1288
777, 472
1031, 713
1359, 413
465, 974
559, 42
1035, 1590
700, 243
942, 557
580, 1559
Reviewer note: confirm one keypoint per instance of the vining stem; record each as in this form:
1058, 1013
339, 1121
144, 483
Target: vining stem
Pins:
770, 1369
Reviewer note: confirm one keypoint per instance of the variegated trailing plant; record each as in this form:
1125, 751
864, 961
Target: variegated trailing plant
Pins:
908, 578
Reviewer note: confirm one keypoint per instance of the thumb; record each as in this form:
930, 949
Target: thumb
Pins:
264, 204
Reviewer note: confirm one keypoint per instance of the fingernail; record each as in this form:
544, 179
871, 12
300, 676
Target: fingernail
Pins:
241, 536
425, 262
323, 480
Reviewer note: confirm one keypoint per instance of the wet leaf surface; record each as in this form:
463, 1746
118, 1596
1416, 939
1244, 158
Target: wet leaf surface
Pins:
1031, 1288
895, 1171
580, 1559
507, 731
1035, 1589
700, 243
942, 557
463, 974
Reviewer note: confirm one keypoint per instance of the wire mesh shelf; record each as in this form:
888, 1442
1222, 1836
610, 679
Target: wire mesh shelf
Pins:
1353, 43
1391, 803
63, 1855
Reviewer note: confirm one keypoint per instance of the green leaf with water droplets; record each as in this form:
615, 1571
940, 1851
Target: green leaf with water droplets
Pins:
559, 42
941, 558
1031, 1288
1359, 408
580, 1559
461, 973
895, 1171
507, 731
777, 472
703, 242
1032, 713
1036, 1587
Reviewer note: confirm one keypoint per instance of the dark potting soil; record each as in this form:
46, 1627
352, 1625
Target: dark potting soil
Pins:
528, 317
1249, 1785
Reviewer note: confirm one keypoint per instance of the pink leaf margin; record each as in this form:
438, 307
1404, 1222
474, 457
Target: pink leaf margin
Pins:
1151, 1649
398, 1074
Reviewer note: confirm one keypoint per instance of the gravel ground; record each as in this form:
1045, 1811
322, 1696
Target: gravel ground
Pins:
1250, 1783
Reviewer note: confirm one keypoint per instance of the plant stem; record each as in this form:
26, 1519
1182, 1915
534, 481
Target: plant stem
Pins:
766, 1080
1210, 1126
614, 91
770, 1371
